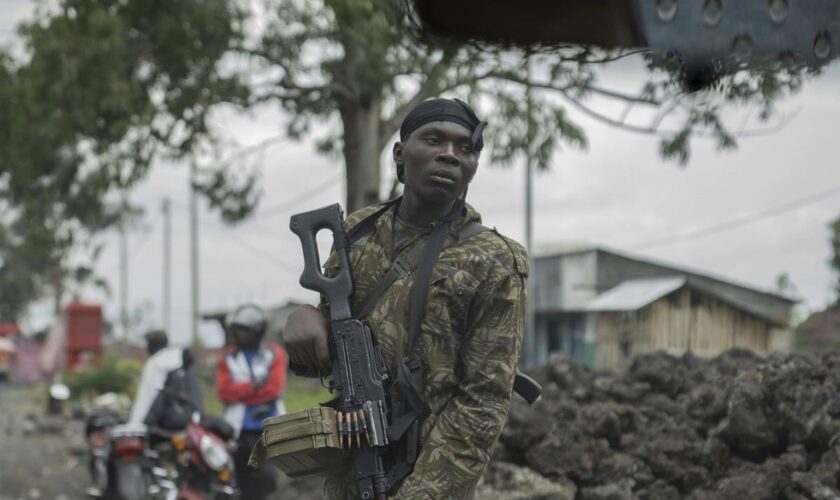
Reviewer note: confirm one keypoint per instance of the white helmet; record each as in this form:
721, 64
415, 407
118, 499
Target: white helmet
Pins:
248, 319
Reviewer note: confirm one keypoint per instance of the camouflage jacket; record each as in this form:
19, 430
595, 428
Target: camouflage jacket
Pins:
469, 344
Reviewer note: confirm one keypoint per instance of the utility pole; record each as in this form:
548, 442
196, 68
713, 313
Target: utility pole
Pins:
530, 343
123, 271
166, 299
194, 264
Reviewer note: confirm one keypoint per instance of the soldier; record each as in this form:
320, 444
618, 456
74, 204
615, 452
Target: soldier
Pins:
469, 338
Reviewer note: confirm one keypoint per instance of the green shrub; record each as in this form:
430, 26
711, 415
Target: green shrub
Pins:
113, 375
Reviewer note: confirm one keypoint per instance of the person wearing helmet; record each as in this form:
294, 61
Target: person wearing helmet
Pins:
250, 378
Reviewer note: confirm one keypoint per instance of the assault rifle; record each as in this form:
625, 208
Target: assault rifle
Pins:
358, 370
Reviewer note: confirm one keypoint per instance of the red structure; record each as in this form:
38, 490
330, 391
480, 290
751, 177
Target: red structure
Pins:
8, 333
9, 330
84, 335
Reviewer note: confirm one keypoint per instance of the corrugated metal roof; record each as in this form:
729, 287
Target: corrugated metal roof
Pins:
632, 295
736, 301
560, 250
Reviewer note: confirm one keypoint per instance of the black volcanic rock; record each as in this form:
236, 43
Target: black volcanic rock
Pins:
737, 426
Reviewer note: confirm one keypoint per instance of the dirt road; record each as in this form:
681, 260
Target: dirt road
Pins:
45, 457
40, 457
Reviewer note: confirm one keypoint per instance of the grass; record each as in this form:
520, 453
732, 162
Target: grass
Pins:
301, 393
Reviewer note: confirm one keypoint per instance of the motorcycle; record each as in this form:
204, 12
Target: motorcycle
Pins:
124, 463
204, 456
97, 427
128, 445
132, 462
117, 451
118, 458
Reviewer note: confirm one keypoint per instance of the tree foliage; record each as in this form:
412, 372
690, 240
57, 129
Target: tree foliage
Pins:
112, 375
359, 66
106, 87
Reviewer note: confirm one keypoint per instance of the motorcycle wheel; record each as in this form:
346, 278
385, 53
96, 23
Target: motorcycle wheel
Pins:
130, 482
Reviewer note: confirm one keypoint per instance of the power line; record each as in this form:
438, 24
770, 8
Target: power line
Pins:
139, 246
265, 256
738, 221
279, 209
285, 206
144, 238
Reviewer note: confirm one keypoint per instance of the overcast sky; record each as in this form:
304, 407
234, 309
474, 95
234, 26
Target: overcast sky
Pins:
618, 193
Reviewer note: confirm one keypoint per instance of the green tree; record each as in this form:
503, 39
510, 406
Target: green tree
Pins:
17, 286
106, 87
359, 66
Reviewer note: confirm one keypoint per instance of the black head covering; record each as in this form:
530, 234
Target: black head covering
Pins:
445, 110
155, 341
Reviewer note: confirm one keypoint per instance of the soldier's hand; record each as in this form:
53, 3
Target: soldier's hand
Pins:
305, 337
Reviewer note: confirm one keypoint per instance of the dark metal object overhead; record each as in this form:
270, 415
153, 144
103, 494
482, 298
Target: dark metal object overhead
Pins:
704, 38
606, 23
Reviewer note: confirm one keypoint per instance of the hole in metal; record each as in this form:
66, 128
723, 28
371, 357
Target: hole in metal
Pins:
713, 11
778, 10
666, 9
822, 45
787, 59
742, 47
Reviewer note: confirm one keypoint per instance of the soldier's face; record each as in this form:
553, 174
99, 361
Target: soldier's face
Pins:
439, 161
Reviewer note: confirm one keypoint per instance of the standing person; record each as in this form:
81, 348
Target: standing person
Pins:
250, 379
467, 344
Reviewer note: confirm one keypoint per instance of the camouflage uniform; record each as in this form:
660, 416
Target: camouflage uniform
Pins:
469, 344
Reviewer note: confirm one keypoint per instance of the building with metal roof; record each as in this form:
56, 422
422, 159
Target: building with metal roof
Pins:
602, 307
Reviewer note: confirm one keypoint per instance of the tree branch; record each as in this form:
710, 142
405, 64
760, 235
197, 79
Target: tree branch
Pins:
288, 82
333, 87
757, 132
606, 119
653, 129
605, 59
565, 88
624, 97
657, 120
430, 87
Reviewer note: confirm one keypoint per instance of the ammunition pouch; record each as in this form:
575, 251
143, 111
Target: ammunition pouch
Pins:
309, 442
301, 443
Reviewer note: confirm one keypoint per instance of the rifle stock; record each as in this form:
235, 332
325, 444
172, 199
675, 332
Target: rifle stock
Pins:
336, 288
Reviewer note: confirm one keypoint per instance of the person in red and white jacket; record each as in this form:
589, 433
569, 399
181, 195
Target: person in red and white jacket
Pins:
250, 379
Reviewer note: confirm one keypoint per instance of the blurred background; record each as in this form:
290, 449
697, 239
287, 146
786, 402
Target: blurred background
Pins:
151, 153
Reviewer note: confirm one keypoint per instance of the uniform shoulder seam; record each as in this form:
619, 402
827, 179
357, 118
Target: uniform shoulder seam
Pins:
517, 251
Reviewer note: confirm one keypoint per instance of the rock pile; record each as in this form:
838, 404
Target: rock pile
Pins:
734, 427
